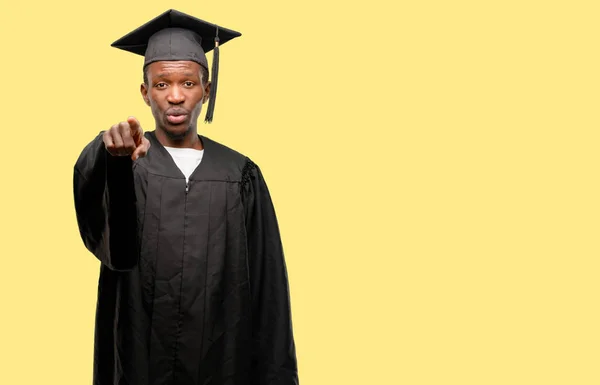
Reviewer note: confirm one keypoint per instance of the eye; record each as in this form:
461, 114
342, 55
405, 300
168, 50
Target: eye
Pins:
160, 85
189, 84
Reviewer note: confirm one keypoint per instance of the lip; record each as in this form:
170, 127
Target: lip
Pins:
176, 112
176, 118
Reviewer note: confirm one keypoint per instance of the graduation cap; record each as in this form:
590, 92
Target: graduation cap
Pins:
174, 35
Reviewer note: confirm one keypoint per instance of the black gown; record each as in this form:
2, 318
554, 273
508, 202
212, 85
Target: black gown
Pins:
193, 286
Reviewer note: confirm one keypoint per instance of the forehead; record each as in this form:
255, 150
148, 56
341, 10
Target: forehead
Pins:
173, 67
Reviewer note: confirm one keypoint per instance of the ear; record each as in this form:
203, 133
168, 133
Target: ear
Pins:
206, 92
144, 91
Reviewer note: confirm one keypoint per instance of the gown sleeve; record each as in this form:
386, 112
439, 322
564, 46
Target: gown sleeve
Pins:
274, 352
104, 196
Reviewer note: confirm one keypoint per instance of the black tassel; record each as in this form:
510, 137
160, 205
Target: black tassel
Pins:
215, 78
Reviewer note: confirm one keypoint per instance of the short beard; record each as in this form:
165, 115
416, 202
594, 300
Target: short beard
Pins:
176, 137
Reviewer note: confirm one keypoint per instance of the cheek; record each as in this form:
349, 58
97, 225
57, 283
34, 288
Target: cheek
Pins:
153, 101
198, 96
154, 107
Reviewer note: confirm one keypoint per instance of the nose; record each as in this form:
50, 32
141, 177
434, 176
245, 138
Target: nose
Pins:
175, 95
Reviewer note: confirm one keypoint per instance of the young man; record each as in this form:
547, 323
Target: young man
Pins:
193, 285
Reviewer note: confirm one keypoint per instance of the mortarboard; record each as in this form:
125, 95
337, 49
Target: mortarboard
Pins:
174, 35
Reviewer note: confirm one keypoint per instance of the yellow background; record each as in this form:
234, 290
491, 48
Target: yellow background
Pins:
434, 166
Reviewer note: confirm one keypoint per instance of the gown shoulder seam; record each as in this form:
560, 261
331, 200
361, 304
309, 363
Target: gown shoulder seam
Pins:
247, 171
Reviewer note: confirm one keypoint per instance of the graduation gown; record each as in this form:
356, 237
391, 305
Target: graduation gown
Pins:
193, 285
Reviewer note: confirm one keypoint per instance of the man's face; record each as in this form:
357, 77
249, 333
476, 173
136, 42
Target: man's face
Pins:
175, 94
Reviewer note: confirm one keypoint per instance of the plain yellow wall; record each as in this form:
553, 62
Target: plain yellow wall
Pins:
433, 166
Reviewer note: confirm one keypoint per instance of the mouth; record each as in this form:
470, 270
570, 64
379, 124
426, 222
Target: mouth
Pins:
176, 117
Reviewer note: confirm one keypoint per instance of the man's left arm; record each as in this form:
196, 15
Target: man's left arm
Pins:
274, 351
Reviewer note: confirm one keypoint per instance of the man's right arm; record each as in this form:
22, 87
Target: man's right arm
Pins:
104, 197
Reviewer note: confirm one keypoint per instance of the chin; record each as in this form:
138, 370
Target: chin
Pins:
178, 131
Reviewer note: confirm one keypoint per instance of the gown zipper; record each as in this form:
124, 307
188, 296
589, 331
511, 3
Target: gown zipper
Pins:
187, 187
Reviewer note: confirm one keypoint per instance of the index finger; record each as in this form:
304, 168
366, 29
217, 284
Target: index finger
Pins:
136, 130
133, 123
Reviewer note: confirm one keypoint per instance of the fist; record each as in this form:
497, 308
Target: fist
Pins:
126, 139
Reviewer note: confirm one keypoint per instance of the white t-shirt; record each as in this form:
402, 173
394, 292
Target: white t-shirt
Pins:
187, 159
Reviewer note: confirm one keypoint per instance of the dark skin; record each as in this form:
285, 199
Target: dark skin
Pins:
175, 93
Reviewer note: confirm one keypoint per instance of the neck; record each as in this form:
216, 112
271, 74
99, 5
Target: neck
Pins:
188, 140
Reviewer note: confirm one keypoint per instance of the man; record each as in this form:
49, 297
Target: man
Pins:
193, 285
